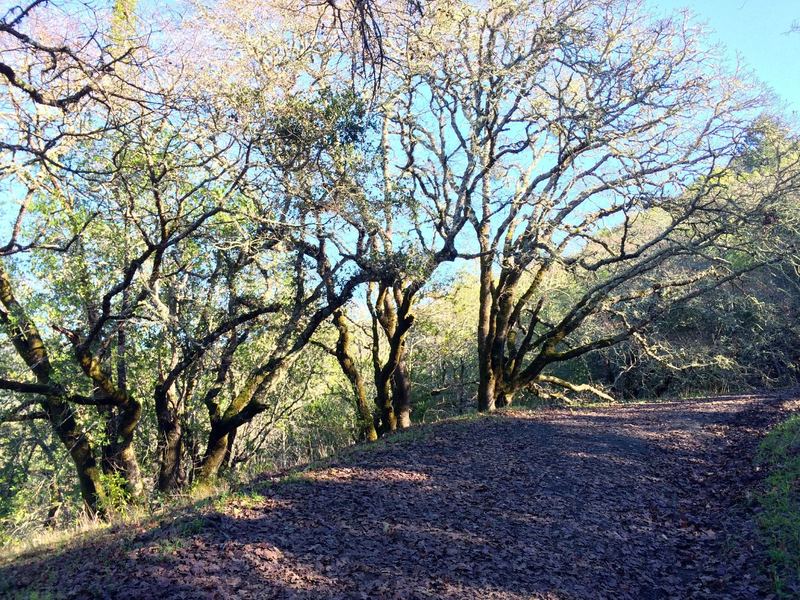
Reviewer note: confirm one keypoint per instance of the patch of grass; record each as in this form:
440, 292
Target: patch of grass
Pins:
352, 453
31, 595
247, 498
295, 477
779, 519
169, 546
192, 526
54, 540
122, 526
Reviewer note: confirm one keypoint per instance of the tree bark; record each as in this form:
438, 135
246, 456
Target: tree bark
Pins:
401, 391
486, 375
119, 453
62, 417
170, 440
214, 455
344, 354
388, 422
393, 312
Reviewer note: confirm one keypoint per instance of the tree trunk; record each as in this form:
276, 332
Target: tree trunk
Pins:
62, 418
486, 382
393, 312
170, 441
344, 354
119, 456
384, 401
119, 453
213, 457
366, 419
486, 375
401, 392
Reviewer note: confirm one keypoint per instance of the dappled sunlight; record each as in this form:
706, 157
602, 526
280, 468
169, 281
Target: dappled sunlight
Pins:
285, 570
247, 505
614, 458
351, 299
342, 474
581, 507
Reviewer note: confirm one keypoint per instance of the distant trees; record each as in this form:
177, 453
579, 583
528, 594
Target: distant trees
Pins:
745, 332
214, 228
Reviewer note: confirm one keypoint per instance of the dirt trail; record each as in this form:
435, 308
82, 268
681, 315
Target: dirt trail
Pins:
647, 501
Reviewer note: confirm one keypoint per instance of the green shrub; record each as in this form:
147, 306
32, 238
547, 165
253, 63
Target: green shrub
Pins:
780, 504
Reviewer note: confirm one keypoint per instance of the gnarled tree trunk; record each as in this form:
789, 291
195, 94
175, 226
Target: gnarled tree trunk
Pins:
344, 354
170, 440
214, 455
30, 346
119, 453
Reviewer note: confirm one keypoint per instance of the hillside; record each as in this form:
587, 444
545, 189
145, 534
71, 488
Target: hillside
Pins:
646, 501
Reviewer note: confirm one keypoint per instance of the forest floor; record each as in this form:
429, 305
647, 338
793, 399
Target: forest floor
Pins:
643, 501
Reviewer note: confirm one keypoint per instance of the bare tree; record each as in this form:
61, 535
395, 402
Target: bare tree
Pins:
565, 121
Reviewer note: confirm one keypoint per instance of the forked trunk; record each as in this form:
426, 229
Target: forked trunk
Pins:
119, 456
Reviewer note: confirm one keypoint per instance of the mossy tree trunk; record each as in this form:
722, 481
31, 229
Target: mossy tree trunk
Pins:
52, 397
392, 312
346, 358
119, 453
170, 439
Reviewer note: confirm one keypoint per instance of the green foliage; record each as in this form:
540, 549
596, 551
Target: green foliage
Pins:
117, 498
779, 518
442, 350
261, 180
740, 336
318, 429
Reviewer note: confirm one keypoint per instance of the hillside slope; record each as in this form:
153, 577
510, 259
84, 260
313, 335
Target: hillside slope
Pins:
640, 502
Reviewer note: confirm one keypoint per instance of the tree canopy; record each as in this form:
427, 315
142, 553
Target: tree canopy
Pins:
241, 234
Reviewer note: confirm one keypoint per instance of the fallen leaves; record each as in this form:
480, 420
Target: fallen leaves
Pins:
640, 502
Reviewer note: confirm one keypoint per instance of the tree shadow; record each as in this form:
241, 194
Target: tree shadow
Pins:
508, 507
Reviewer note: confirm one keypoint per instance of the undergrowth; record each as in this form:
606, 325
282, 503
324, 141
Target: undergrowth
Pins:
165, 509
779, 517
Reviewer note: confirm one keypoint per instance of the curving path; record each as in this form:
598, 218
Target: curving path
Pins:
647, 501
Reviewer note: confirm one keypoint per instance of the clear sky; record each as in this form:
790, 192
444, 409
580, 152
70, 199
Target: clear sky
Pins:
757, 31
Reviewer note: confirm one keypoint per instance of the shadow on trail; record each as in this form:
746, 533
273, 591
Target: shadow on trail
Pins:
559, 505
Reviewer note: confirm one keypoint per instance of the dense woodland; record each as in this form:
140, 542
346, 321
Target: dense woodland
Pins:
237, 236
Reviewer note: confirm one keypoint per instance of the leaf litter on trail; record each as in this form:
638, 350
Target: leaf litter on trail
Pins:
628, 502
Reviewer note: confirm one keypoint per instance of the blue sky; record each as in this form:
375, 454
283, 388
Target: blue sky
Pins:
756, 30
